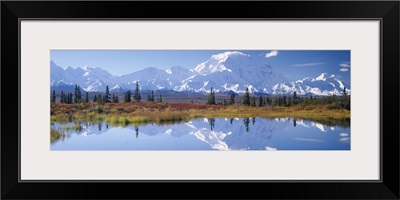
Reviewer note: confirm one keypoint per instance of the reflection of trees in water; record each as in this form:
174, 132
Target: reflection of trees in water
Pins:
137, 131
246, 122
212, 123
79, 128
342, 123
58, 135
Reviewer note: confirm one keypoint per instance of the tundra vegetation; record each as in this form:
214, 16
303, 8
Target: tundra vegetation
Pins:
132, 110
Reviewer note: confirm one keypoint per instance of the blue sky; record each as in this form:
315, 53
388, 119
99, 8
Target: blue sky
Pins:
294, 64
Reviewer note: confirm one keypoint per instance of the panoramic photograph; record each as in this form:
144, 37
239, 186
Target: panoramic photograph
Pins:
264, 100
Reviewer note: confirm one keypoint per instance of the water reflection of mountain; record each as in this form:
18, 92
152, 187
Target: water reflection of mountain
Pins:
241, 134
218, 133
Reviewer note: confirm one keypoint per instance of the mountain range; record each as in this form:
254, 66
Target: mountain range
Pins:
230, 71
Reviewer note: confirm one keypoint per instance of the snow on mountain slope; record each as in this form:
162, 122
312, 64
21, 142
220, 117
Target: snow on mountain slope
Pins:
98, 85
90, 79
216, 63
150, 78
231, 71
321, 85
96, 79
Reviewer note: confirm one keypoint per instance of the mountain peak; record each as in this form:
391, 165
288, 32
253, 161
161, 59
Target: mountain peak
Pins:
175, 69
321, 77
69, 68
227, 54
230, 71
217, 62
152, 69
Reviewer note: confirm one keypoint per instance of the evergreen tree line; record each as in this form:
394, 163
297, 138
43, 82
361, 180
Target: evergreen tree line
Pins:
338, 102
76, 97
211, 99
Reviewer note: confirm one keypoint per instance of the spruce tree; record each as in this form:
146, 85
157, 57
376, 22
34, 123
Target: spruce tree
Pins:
246, 98
95, 98
65, 98
62, 97
79, 94
136, 95
148, 97
107, 95
53, 96
127, 97
268, 101
152, 96
105, 99
116, 99
211, 97
284, 103
260, 101
76, 94
70, 98
253, 101
232, 99
87, 97
160, 99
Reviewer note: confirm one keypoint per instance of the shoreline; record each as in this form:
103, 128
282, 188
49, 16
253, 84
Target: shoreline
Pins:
150, 112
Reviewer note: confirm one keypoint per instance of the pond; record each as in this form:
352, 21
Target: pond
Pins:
206, 134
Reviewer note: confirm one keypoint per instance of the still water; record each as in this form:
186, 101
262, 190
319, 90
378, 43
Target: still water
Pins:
206, 134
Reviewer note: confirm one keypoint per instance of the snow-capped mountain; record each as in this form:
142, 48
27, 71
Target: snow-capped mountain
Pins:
152, 78
90, 79
96, 79
324, 84
230, 71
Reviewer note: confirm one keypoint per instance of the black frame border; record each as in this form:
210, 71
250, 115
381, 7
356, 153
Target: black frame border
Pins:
195, 180
385, 11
